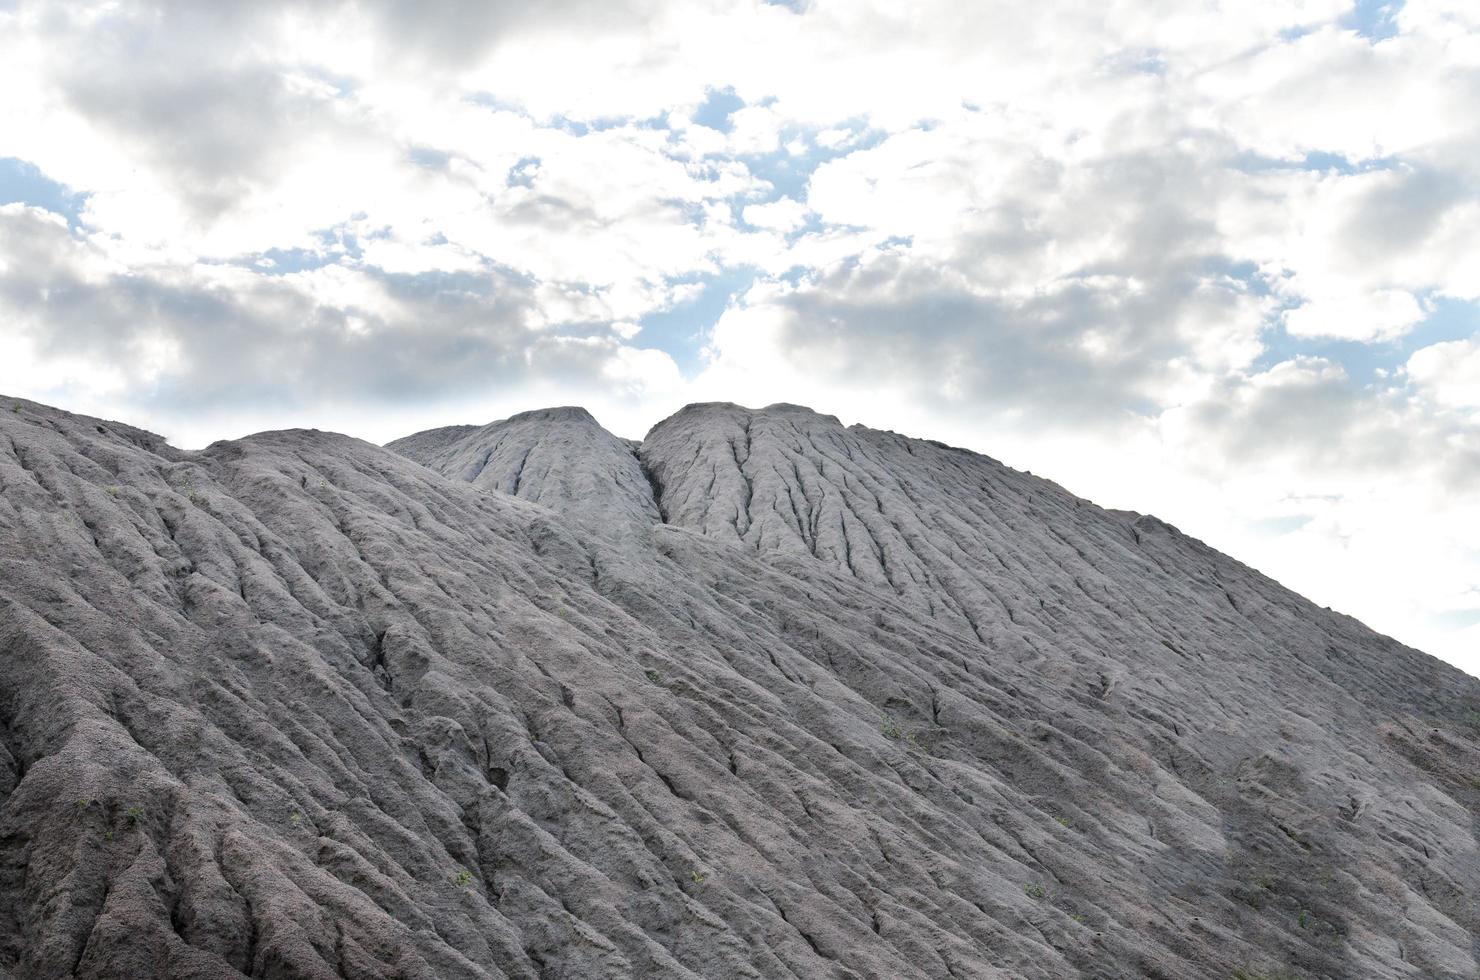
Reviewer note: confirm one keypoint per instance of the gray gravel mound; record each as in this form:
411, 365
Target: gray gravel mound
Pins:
762, 697
559, 457
422, 446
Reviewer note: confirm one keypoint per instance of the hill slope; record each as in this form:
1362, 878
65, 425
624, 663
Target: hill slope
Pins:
763, 697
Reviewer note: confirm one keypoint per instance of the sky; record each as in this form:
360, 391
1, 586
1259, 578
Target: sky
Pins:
1213, 261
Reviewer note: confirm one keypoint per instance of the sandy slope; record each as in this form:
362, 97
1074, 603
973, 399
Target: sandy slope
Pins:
763, 697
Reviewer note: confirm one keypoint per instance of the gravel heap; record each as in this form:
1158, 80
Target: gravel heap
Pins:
763, 696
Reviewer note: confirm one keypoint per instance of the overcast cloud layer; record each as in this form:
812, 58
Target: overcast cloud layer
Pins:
1214, 261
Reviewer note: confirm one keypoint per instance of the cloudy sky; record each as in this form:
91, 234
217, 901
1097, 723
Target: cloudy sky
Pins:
1216, 261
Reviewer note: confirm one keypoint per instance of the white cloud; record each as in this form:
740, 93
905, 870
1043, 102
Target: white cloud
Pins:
783, 215
755, 129
1378, 316
1109, 243
1449, 372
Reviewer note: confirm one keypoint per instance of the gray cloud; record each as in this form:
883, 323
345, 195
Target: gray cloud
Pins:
169, 85
463, 31
1399, 214
450, 35
1103, 339
201, 94
1309, 417
904, 321
266, 341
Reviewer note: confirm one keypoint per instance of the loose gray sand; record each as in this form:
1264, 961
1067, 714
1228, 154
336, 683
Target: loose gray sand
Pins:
763, 696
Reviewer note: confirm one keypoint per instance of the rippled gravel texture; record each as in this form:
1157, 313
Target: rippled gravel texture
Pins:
763, 696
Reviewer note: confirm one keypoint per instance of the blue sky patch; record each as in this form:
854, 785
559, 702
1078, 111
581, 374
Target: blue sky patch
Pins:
521, 174
1449, 319
1455, 619
335, 245
719, 105
426, 156
1315, 160
1275, 527
682, 331
789, 174
1375, 19
24, 183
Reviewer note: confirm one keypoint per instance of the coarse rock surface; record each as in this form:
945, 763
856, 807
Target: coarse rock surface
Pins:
763, 696
559, 457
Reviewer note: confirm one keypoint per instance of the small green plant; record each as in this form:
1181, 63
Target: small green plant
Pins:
1077, 918
1304, 918
1061, 821
698, 876
134, 814
108, 835
894, 731
1035, 890
463, 878
82, 804
16, 409
295, 818
1264, 880
653, 676
112, 491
